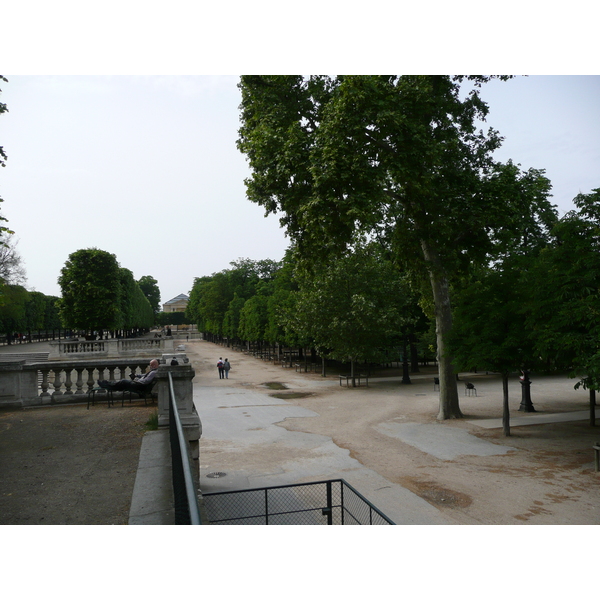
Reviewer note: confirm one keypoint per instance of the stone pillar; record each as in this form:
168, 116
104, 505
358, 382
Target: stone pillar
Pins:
18, 385
183, 388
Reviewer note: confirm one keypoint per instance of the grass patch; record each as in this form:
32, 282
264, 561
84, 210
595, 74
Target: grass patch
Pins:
291, 395
275, 385
152, 422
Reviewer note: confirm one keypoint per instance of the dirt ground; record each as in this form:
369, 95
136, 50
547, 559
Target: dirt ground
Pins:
66, 465
70, 465
547, 478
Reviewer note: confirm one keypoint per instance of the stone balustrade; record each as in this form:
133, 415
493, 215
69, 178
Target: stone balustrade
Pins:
60, 382
110, 348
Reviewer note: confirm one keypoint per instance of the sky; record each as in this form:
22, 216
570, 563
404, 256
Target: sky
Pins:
146, 167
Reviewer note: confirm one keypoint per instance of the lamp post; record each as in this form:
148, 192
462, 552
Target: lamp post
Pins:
526, 404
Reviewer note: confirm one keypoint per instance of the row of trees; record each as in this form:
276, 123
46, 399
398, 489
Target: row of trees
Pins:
358, 308
537, 308
100, 295
22, 311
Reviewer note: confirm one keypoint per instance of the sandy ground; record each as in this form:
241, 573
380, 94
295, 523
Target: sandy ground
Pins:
66, 465
546, 476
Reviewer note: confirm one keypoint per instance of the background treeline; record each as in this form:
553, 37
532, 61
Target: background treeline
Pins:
99, 298
357, 309
30, 314
535, 307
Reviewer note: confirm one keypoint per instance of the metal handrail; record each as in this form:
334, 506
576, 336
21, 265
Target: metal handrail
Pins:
191, 497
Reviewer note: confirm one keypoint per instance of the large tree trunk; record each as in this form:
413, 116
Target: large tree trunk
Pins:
449, 407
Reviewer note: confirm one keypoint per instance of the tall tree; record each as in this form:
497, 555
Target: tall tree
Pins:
231, 320
355, 308
90, 284
12, 270
149, 286
489, 331
13, 303
398, 158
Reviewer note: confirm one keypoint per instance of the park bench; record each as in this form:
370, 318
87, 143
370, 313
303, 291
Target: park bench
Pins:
596, 448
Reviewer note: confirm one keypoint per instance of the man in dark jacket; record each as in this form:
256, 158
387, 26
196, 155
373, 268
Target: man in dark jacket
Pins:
138, 382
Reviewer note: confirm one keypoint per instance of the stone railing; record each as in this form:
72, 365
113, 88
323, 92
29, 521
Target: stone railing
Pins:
152, 347
60, 382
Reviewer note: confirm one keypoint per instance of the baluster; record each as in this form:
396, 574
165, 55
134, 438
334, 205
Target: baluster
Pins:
57, 382
79, 382
45, 384
68, 382
90, 381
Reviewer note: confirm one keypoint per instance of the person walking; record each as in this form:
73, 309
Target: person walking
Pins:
220, 368
226, 368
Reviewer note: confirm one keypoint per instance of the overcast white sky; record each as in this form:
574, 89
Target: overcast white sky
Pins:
146, 167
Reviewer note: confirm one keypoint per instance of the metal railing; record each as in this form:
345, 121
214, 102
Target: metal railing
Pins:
333, 502
187, 511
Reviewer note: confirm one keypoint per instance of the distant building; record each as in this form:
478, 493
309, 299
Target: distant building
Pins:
177, 304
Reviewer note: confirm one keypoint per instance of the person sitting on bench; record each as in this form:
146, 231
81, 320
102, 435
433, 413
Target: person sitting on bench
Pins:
139, 382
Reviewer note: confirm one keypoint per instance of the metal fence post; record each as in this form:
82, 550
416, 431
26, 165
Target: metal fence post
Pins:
329, 505
266, 506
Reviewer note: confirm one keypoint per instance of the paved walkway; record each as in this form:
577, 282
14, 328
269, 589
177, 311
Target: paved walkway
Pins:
250, 419
250, 436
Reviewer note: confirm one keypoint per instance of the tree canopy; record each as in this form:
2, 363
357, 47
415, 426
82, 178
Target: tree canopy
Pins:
394, 158
565, 293
97, 294
356, 308
149, 287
